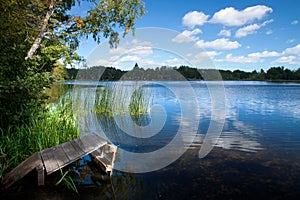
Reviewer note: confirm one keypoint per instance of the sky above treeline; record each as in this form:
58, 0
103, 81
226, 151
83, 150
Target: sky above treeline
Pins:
246, 35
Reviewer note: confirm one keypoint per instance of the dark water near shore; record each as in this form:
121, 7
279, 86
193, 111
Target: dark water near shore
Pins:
256, 156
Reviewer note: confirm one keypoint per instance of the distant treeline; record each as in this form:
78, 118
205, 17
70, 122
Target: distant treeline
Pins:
167, 73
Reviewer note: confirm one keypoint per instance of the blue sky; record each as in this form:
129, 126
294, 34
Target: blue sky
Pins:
247, 35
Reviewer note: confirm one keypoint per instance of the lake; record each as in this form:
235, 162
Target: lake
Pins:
256, 154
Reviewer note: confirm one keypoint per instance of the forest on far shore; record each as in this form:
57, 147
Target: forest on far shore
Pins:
189, 73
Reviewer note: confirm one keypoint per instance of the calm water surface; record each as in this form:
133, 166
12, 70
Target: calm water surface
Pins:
256, 156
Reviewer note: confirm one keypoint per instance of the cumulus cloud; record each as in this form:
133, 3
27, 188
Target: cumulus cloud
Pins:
293, 50
288, 60
187, 36
250, 58
250, 29
231, 17
205, 55
129, 58
247, 30
194, 18
219, 44
265, 54
240, 59
225, 32
295, 22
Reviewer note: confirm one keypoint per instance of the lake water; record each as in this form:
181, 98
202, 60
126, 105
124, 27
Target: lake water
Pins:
256, 155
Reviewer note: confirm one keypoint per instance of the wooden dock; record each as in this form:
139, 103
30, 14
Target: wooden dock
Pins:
54, 158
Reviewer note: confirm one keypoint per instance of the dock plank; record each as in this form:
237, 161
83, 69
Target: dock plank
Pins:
83, 144
96, 140
68, 149
54, 158
49, 160
60, 160
61, 156
21, 170
77, 147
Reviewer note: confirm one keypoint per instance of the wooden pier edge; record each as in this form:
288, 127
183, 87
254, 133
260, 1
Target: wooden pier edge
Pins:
31, 163
54, 158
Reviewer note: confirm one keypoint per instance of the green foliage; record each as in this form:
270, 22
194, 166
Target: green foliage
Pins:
164, 73
49, 128
67, 180
112, 100
25, 25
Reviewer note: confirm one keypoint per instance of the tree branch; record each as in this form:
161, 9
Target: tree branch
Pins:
39, 38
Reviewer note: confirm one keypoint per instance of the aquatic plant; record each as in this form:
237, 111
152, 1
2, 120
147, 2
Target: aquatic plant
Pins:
49, 128
118, 99
67, 180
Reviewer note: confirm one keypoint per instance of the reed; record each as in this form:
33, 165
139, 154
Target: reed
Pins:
49, 128
113, 99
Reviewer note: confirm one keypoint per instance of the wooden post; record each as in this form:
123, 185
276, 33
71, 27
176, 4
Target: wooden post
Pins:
40, 174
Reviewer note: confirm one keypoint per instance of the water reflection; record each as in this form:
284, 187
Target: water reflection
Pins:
256, 157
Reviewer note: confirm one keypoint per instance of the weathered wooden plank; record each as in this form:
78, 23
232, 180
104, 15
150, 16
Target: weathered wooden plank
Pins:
21, 170
49, 160
106, 157
70, 150
96, 140
61, 156
41, 174
56, 159
79, 150
83, 144
96, 158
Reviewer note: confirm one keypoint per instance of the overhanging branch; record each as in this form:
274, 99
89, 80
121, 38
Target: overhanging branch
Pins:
39, 38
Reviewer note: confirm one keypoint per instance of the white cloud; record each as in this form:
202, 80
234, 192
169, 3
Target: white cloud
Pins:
269, 32
141, 51
173, 62
205, 55
225, 32
130, 58
100, 62
291, 40
288, 60
250, 29
187, 36
247, 30
295, 22
250, 58
137, 50
219, 44
240, 59
293, 50
231, 17
194, 18
118, 50
265, 54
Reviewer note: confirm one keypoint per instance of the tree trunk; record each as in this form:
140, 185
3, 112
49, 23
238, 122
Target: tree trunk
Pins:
38, 40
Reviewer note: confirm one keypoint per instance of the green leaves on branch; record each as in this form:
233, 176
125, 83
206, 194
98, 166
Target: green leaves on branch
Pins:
45, 32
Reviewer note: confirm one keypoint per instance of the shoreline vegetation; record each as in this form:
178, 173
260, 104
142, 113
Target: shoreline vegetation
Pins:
275, 74
50, 127
57, 123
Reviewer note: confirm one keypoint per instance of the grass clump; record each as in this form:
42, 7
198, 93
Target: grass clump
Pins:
49, 128
112, 99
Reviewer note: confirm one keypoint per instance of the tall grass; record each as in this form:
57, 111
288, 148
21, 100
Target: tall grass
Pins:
49, 128
112, 99
57, 123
